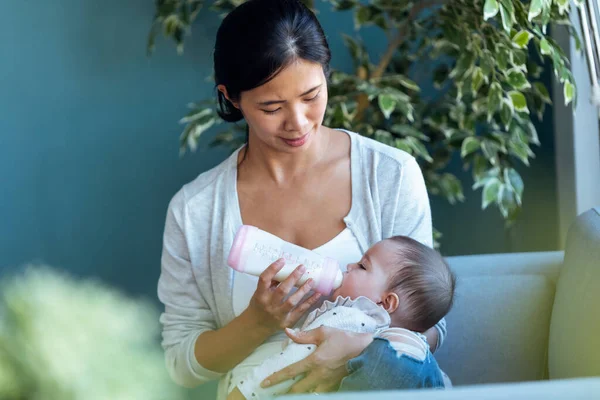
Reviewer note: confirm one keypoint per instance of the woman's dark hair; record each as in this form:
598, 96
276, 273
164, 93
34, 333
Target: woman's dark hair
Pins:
257, 40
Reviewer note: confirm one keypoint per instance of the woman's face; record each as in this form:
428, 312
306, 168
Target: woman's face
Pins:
286, 113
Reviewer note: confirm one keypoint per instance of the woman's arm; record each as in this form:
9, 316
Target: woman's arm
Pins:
195, 350
267, 313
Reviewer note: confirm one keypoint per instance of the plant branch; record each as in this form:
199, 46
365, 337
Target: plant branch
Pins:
363, 100
402, 31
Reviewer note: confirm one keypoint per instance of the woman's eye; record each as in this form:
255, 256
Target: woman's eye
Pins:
362, 266
313, 98
271, 111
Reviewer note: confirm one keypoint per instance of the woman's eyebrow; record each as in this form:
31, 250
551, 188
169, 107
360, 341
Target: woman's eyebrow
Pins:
271, 102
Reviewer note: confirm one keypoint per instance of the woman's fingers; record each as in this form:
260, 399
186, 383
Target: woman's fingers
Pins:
314, 336
291, 371
296, 298
265, 279
284, 287
306, 385
303, 307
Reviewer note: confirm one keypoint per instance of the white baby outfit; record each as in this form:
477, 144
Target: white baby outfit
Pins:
360, 315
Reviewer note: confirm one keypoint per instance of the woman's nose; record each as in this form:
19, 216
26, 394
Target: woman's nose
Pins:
297, 120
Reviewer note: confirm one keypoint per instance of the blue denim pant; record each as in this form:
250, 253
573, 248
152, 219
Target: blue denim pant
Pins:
379, 368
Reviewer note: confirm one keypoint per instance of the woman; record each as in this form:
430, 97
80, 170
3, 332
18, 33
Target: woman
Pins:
324, 189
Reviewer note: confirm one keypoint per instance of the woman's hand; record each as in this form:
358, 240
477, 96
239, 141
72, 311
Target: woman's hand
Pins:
271, 307
326, 367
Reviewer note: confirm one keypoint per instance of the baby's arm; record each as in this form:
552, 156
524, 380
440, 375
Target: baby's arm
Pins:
406, 342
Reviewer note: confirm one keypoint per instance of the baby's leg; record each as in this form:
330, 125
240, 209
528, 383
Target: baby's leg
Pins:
380, 367
236, 395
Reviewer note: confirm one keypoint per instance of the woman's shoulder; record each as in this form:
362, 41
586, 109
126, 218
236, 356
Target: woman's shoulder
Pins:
373, 150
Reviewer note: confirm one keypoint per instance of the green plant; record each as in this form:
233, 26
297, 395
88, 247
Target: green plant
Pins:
484, 58
67, 339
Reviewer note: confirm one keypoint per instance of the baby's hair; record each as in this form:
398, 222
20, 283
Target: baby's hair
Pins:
424, 283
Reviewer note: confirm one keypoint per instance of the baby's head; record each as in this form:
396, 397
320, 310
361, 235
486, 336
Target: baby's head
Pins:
410, 280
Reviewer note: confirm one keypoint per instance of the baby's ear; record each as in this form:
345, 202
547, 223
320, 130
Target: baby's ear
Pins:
390, 302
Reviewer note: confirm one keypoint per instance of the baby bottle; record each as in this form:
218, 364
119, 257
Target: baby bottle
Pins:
253, 250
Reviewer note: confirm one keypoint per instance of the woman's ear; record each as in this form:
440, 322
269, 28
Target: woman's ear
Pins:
223, 89
390, 302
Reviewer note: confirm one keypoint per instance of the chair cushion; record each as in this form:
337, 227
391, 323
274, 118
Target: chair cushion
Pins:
574, 331
498, 329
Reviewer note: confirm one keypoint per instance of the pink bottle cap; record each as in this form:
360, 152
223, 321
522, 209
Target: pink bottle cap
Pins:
328, 276
235, 254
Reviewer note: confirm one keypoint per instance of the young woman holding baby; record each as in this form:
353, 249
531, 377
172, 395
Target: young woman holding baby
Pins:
328, 190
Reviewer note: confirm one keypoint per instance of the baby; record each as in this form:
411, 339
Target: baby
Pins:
399, 282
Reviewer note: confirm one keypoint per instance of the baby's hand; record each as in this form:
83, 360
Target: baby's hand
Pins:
236, 395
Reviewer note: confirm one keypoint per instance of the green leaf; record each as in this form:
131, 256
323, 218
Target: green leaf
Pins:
512, 178
477, 80
494, 99
469, 145
568, 92
518, 100
545, 47
361, 16
507, 111
387, 104
398, 79
195, 115
517, 79
542, 91
342, 5
531, 133
407, 83
535, 9
506, 201
490, 9
487, 63
463, 65
519, 148
480, 165
356, 50
490, 150
451, 188
403, 145
502, 56
507, 12
384, 137
490, 192
518, 58
521, 39
419, 148
408, 130
563, 6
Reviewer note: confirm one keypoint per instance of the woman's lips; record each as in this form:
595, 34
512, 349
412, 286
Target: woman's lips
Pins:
296, 142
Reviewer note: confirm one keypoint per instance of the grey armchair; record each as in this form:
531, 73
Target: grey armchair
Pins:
522, 317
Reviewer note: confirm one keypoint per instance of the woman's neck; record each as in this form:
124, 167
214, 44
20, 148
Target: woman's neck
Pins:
283, 168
